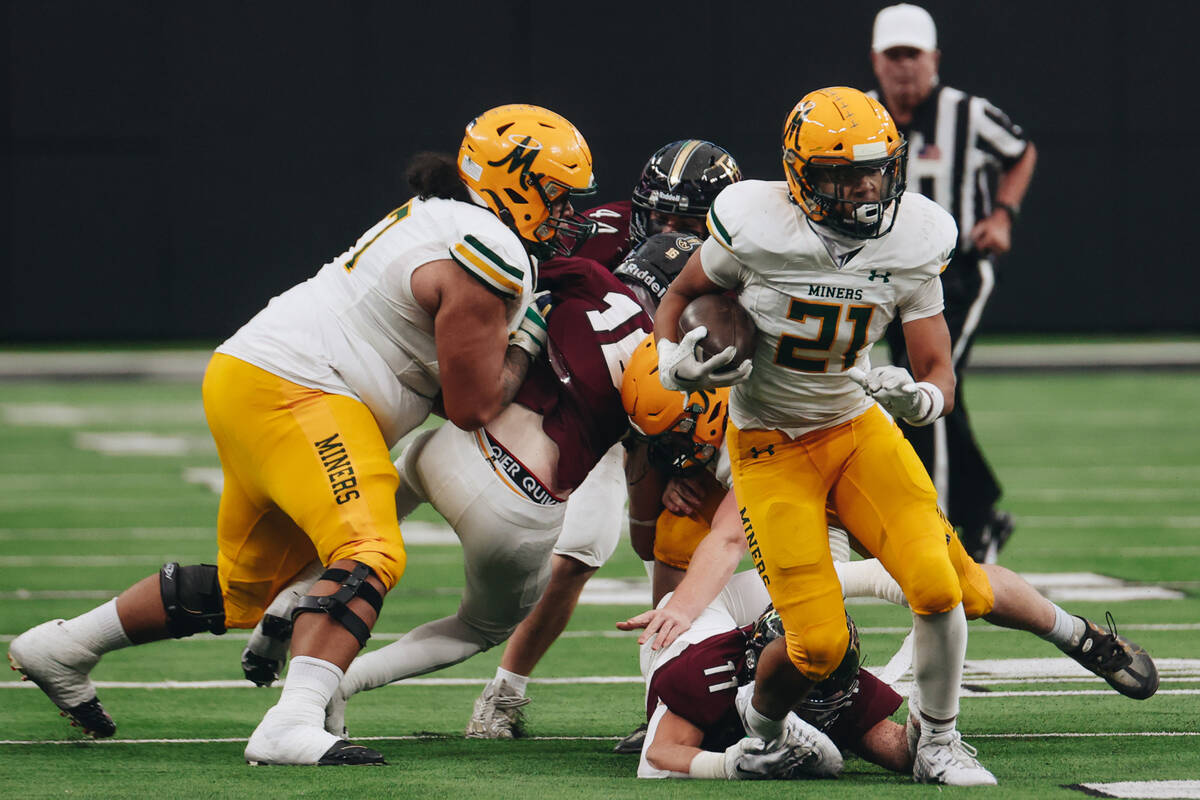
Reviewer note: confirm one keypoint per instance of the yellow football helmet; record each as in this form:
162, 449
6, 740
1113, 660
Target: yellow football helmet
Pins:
684, 431
834, 138
521, 160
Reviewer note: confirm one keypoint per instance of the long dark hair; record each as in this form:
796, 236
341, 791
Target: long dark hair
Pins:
436, 175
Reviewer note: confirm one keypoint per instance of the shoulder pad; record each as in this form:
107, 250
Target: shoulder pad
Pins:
925, 235
491, 254
745, 216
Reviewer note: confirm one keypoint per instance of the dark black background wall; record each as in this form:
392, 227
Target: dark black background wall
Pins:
169, 166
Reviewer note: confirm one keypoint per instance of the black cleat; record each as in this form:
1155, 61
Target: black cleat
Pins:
345, 753
632, 744
91, 718
1126, 666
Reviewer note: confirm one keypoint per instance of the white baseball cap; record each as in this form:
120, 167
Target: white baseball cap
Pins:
904, 25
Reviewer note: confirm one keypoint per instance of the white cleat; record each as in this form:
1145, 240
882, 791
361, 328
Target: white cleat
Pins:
948, 760
817, 755
497, 713
278, 740
60, 666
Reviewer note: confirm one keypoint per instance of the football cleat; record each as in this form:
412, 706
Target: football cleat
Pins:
59, 665
948, 760
281, 739
497, 713
1126, 666
632, 744
816, 756
349, 754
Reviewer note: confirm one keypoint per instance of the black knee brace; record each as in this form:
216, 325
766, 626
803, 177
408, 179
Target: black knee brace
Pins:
354, 584
192, 599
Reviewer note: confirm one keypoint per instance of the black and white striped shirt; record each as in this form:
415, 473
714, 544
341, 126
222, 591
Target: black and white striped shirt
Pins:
958, 145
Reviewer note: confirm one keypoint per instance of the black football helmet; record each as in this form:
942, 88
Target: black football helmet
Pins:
822, 705
683, 178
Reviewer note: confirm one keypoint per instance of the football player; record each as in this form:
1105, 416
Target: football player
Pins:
672, 196
823, 261
430, 306
691, 688
684, 433
505, 488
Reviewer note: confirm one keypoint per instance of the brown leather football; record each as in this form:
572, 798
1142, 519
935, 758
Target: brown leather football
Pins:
727, 322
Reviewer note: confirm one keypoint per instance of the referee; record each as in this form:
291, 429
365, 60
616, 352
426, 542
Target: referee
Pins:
966, 155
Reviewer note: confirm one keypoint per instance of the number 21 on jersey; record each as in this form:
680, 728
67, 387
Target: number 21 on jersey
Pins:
840, 331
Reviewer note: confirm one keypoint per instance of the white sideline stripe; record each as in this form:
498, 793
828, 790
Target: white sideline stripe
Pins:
415, 738
1112, 493
1106, 521
104, 534
1144, 790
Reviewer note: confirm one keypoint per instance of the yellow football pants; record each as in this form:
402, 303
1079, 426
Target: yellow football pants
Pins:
877, 486
307, 476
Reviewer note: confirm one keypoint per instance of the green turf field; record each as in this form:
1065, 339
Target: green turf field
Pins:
104, 480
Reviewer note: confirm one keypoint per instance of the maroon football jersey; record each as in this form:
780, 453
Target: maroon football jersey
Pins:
593, 327
610, 244
700, 684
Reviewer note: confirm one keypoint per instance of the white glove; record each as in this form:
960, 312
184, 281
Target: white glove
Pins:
530, 335
680, 370
894, 389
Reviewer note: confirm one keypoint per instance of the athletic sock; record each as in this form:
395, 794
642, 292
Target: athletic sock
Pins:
1067, 630
939, 648
761, 726
514, 681
306, 691
99, 630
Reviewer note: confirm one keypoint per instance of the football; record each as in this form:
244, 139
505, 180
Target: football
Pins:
727, 323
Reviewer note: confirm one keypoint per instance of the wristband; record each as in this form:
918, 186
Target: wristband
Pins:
1010, 209
937, 403
708, 765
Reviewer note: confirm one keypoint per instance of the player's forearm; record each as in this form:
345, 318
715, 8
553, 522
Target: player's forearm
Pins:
516, 366
712, 564
672, 757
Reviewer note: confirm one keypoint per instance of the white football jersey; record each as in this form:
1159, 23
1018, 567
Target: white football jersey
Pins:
355, 328
818, 305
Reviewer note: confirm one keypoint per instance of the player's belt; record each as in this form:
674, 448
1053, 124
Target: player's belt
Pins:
512, 473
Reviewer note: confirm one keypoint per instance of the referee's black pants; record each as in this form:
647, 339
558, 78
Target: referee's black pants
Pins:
967, 487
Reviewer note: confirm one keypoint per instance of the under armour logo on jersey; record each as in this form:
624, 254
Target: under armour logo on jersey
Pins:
883, 276
769, 450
